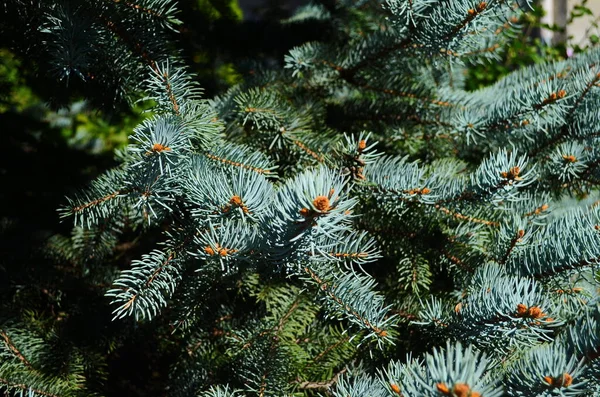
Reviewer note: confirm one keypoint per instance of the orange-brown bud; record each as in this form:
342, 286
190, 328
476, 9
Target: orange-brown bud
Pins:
461, 390
442, 388
305, 212
321, 203
536, 312
512, 174
565, 380
521, 310
236, 200
157, 147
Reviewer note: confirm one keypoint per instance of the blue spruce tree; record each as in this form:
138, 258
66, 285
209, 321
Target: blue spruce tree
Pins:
356, 223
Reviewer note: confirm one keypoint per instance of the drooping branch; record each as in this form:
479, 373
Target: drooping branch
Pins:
27, 388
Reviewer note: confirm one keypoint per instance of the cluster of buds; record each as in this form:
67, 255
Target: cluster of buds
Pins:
480, 7
564, 380
235, 201
512, 174
573, 290
569, 158
534, 312
538, 210
221, 251
458, 390
419, 191
554, 97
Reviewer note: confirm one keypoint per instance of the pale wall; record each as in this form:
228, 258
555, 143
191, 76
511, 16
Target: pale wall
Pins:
579, 28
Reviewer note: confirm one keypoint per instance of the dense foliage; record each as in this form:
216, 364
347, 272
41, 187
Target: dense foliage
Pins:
357, 223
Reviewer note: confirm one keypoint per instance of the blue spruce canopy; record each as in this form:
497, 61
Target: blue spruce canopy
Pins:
357, 223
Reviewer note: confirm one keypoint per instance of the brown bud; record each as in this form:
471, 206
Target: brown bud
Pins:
304, 212
236, 200
461, 390
521, 310
157, 147
321, 203
442, 388
536, 312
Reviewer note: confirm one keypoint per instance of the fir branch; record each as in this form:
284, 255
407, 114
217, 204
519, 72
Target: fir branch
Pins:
100, 200
327, 350
135, 46
15, 350
459, 216
564, 131
324, 286
400, 94
324, 386
310, 152
554, 271
140, 8
165, 77
258, 170
454, 259
511, 246
348, 74
471, 15
27, 388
